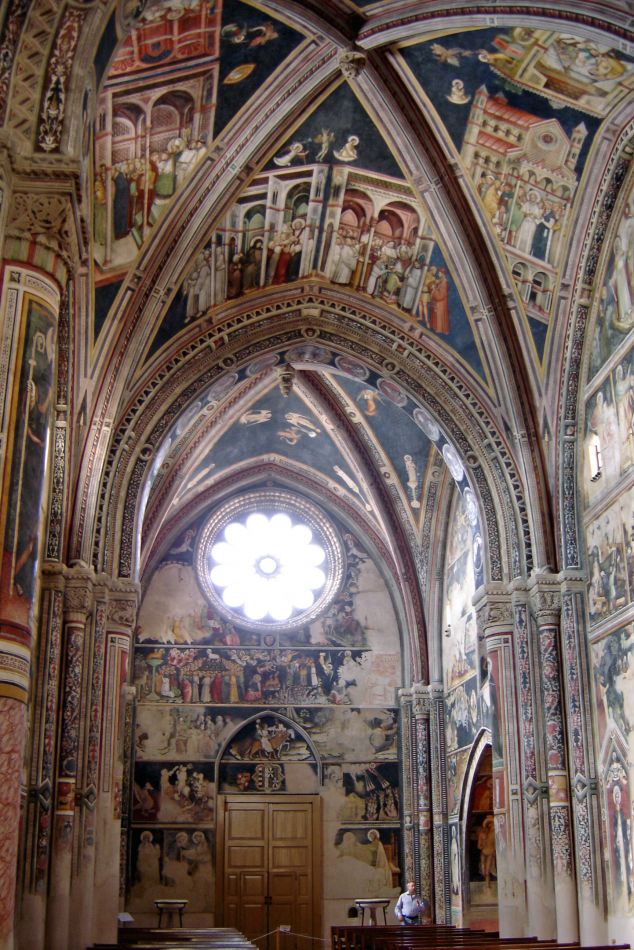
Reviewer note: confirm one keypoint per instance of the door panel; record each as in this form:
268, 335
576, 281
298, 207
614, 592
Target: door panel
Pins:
269, 865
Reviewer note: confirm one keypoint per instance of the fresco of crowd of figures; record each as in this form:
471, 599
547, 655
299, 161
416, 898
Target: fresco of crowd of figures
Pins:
221, 709
608, 492
522, 110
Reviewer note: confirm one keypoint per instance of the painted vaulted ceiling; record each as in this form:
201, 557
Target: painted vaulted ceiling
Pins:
330, 244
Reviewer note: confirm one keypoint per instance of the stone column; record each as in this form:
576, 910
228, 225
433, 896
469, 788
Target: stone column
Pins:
438, 745
29, 310
425, 872
498, 684
31, 928
539, 870
82, 885
65, 852
546, 607
41, 240
113, 790
408, 816
586, 809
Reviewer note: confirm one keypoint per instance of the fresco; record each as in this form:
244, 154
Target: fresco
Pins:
482, 860
615, 306
294, 778
174, 611
409, 447
456, 768
362, 792
173, 793
30, 421
182, 733
462, 714
170, 863
610, 553
618, 816
341, 677
231, 446
331, 201
459, 626
614, 701
362, 863
523, 108
268, 738
609, 431
199, 733
174, 83
220, 709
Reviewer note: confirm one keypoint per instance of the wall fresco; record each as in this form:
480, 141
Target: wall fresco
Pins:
222, 709
199, 733
173, 793
609, 431
31, 406
362, 862
615, 307
169, 863
612, 663
609, 544
203, 675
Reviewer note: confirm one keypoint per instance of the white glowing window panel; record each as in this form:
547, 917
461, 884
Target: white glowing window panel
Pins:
269, 559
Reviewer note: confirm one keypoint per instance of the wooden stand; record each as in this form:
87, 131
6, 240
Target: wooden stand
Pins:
372, 904
169, 908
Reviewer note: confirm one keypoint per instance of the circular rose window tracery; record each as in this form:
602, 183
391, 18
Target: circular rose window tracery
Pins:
269, 559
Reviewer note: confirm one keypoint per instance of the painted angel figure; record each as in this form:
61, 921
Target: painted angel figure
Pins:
324, 140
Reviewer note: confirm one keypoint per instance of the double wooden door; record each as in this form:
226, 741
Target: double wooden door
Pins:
269, 868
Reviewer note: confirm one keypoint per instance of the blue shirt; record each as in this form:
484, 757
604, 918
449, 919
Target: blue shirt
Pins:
408, 905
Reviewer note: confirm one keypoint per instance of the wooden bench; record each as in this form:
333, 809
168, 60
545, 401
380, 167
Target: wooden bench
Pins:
441, 937
131, 935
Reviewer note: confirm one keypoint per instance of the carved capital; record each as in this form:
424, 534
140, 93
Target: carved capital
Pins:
122, 612
352, 63
78, 592
405, 697
43, 213
545, 598
494, 610
421, 700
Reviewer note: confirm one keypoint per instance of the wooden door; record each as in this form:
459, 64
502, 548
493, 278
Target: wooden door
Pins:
269, 872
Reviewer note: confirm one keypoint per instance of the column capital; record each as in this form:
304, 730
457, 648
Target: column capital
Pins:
572, 582
79, 584
494, 609
421, 699
405, 697
43, 219
545, 597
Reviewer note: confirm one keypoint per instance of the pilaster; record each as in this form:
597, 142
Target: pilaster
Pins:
534, 776
586, 806
494, 615
421, 707
545, 600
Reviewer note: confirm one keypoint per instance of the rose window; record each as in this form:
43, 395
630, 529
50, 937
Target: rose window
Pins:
269, 559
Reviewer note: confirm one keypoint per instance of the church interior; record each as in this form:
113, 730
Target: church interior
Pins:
317, 465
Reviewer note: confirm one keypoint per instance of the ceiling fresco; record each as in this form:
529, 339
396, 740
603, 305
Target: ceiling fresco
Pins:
173, 85
267, 421
331, 204
523, 107
331, 201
